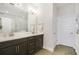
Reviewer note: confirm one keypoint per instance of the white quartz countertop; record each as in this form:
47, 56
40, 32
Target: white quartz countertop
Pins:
17, 36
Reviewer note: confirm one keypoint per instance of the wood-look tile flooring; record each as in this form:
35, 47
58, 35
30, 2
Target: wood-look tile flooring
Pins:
59, 50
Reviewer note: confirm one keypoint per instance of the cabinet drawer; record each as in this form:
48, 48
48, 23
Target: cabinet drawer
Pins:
31, 40
31, 46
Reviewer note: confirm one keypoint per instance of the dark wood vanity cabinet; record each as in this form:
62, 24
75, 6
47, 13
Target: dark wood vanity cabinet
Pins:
35, 44
11, 50
31, 45
15, 49
23, 46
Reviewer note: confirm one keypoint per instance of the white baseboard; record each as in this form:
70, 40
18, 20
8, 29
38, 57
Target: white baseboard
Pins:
49, 49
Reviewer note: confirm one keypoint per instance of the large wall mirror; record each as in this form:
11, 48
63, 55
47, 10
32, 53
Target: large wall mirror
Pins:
17, 17
12, 19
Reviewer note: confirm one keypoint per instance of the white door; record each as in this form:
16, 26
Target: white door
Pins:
66, 25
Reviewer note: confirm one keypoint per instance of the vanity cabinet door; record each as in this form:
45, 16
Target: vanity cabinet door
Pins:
22, 48
12, 50
31, 45
26, 46
39, 43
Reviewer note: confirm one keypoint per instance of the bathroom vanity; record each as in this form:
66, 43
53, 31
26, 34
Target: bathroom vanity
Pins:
26, 45
18, 32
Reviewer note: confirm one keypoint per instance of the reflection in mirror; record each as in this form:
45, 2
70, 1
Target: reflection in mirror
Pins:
20, 17
13, 25
12, 18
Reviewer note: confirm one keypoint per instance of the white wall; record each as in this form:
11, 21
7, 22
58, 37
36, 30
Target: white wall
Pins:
55, 14
47, 16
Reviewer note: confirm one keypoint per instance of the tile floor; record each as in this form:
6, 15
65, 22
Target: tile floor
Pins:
59, 50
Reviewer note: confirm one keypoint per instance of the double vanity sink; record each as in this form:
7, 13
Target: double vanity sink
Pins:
22, 43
